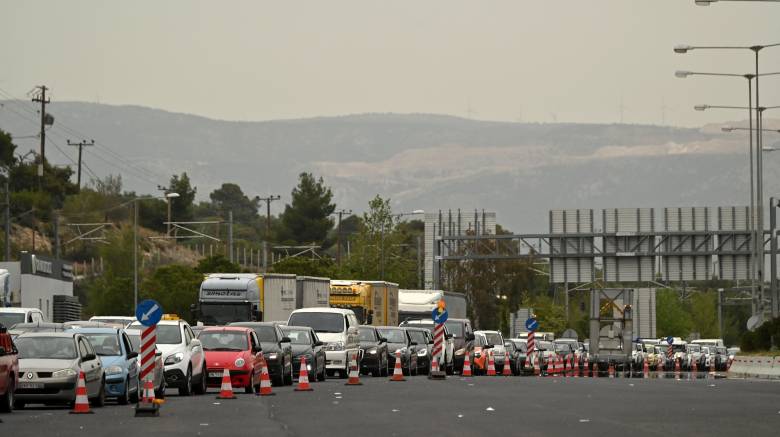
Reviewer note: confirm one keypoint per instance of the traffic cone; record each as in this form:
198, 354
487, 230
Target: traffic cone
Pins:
265, 379
354, 374
303, 377
571, 364
226, 391
148, 391
677, 369
645, 369
466, 366
536, 363
81, 406
507, 370
694, 369
560, 369
611, 370
712, 365
398, 373
434, 365
576, 369
586, 368
491, 370
595, 370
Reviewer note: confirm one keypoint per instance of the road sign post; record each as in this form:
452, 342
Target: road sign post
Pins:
439, 316
532, 325
148, 313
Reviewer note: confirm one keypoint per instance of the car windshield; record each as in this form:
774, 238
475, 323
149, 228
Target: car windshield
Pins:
367, 334
298, 336
55, 348
319, 322
168, 334
393, 335
455, 327
106, 345
721, 350
223, 341
521, 346
494, 338
418, 337
562, 347
479, 341
544, 345
135, 339
265, 334
10, 319
224, 314
694, 348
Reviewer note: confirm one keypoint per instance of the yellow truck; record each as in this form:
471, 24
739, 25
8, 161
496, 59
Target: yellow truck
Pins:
374, 302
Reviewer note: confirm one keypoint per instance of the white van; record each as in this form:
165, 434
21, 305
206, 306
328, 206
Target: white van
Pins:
10, 316
338, 328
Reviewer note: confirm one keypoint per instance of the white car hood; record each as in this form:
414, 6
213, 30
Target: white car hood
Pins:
331, 337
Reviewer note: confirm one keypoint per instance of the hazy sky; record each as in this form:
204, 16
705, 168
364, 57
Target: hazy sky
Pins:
570, 60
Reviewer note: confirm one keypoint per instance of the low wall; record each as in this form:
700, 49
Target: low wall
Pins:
755, 367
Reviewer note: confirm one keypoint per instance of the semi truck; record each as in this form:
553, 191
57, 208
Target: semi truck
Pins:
245, 297
419, 304
373, 302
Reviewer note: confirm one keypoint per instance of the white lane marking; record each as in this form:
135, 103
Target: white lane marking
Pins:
490, 409
584, 420
394, 410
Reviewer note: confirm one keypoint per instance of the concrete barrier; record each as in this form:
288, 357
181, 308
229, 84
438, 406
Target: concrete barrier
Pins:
755, 367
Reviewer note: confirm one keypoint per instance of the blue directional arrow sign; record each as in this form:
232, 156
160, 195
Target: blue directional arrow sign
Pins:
670, 339
148, 312
531, 324
439, 317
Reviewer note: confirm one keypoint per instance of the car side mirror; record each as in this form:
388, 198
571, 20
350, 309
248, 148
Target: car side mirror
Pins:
257, 349
132, 355
413, 343
89, 357
319, 343
382, 340
489, 346
157, 353
448, 336
285, 340
352, 330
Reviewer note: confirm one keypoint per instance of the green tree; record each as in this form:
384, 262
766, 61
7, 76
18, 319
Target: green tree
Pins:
182, 206
112, 292
671, 316
217, 264
7, 148
308, 218
229, 197
175, 287
301, 266
704, 314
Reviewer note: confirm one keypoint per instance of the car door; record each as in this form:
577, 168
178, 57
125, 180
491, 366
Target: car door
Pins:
286, 348
131, 359
255, 345
319, 352
195, 349
89, 365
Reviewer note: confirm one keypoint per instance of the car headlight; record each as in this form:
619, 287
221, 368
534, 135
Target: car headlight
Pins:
422, 352
239, 362
113, 370
174, 359
272, 356
335, 346
460, 352
372, 351
63, 373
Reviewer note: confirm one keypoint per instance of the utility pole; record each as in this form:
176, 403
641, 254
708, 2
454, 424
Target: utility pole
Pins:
268, 201
81, 145
230, 234
338, 234
7, 221
41, 98
419, 263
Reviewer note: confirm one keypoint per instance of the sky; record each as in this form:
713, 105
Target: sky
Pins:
511, 60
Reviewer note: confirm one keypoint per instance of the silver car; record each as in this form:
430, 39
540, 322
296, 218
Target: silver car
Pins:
49, 366
158, 377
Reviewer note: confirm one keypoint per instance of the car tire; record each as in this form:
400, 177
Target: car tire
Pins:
100, 400
133, 397
250, 388
186, 389
201, 388
18, 405
125, 397
7, 401
288, 378
159, 393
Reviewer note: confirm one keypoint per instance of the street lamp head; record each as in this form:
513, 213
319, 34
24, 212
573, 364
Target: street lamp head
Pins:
682, 48
682, 74
701, 107
171, 195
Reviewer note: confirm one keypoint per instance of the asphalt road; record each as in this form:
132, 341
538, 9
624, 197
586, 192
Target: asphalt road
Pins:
486, 406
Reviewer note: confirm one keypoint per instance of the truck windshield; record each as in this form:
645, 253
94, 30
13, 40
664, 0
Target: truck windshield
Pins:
319, 322
223, 341
223, 314
10, 319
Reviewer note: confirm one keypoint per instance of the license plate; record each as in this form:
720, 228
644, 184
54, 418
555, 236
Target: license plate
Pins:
33, 385
215, 374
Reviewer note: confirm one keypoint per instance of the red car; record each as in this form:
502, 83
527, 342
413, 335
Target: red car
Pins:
9, 370
236, 349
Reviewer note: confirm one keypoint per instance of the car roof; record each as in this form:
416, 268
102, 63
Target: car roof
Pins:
323, 310
252, 324
413, 328
226, 328
91, 330
297, 327
391, 327
39, 325
67, 334
482, 331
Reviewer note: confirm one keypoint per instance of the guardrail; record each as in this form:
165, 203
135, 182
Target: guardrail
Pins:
765, 367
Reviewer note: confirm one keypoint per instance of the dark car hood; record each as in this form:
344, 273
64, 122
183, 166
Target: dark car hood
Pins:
300, 349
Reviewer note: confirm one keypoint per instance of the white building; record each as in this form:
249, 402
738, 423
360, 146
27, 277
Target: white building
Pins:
35, 280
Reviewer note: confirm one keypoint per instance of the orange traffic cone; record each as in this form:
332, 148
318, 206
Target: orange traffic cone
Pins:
586, 368
560, 366
507, 370
576, 365
226, 391
536, 363
712, 365
491, 370
354, 374
148, 392
677, 368
645, 369
265, 379
466, 366
595, 370
694, 369
82, 401
398, 373
611, 370
303, 377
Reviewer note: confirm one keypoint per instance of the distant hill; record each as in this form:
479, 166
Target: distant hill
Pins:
421, 161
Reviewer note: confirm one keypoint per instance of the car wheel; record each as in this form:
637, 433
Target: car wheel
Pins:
7, 402
159, 393
201, 387
288, 379
18, 405
451, 369
186, 389
250, 388
125, 397
100, 400
133, 397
